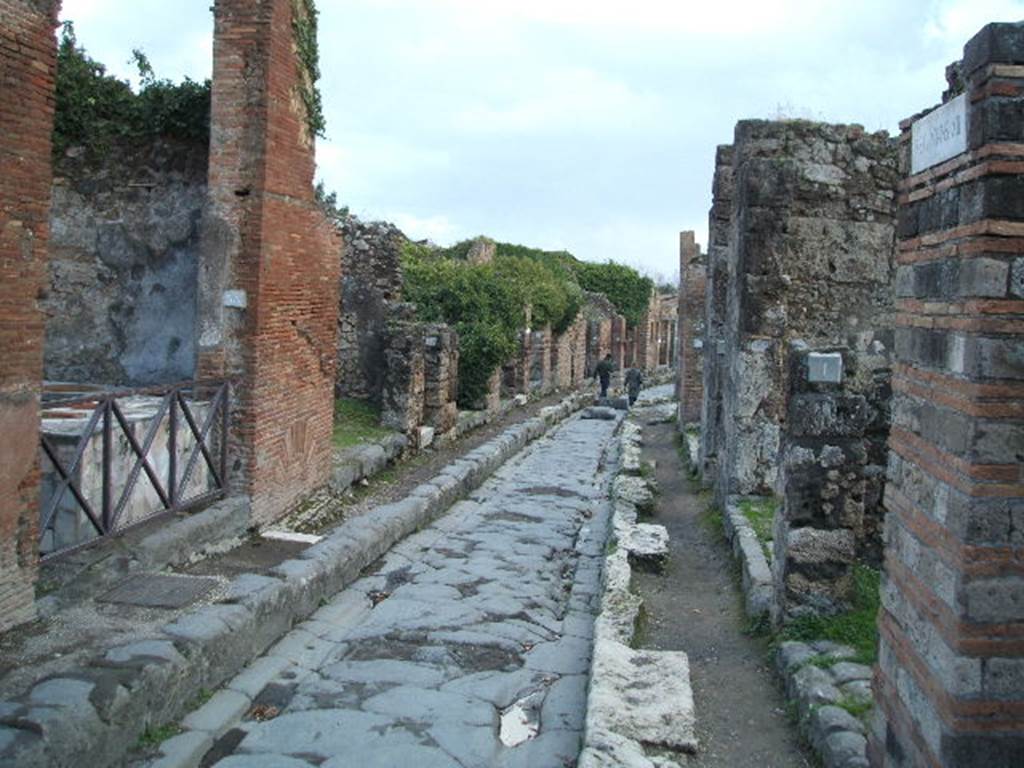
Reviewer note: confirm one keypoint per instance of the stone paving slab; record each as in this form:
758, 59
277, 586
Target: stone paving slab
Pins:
134, 688
416, 661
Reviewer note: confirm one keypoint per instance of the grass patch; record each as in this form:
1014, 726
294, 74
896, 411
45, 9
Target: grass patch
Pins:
761, 516
155, 736
712, 519
355, 423
856, 628
856, 707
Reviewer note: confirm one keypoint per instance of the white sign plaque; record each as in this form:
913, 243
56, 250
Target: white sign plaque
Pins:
939, 135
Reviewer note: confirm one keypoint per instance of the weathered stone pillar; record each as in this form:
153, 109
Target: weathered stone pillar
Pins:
716, 280
441, 377
950, 678
27, 67
690, 368
270, 260
810, 258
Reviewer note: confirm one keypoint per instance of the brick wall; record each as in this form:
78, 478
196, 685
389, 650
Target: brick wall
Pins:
569, 355
263, 234
950, 678
690, 311
27, 63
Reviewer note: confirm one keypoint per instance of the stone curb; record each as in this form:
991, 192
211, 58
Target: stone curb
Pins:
636, 697
819, 678
102, 709
758, 585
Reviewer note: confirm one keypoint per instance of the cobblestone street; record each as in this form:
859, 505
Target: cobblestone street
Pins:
468, 645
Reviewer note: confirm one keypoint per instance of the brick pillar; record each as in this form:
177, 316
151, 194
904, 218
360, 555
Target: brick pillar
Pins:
269, 263
690, 369
950, 679
27, 67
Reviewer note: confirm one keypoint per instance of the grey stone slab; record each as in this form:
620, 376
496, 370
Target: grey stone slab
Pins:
158, 590
184, 750
302, 648
426, 705
419, 756
567, 656
565, 704
325, 733
62, 692
163, 650
216, 716
386, 671
476, 746
262, 761
257, 675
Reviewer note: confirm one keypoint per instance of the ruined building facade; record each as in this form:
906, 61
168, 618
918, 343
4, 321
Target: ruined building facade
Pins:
862, 316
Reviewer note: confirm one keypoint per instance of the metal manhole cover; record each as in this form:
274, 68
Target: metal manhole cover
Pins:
153, 590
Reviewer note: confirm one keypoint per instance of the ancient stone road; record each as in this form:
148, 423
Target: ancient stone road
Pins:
488, 610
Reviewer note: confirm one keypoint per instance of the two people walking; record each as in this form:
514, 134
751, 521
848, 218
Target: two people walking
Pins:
634, 378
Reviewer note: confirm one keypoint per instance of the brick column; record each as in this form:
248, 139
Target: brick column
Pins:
27, 67
950, 679
269, 263
690, 369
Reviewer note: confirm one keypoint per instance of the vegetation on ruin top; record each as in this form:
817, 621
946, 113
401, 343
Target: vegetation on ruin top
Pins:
356, 423
98, 111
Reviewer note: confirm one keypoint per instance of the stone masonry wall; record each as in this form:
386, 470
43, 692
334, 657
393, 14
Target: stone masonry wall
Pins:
717, 280
810, 258
124, 253
690, 312
27, 66
371, 281
950, 676
440, 377
269, 266
569, 356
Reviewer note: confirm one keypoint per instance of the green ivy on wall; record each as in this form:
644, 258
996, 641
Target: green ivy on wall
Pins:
304, 24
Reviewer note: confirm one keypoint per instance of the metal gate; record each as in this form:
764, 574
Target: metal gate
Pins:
175, 436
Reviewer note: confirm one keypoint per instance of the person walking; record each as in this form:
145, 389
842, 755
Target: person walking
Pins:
634, 380
603, 372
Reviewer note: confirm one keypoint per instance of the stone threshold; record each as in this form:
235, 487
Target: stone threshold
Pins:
758, 586
100, 709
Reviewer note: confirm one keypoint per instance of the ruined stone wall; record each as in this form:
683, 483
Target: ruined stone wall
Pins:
810, 259
27, 67
717, 279
950, 677
690, 312
440, 377
269, 266
371, 281
124, 252
404, 381
606, 333
539, 360
569, 356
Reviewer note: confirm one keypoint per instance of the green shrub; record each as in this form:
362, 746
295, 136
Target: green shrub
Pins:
96, 110
626, 288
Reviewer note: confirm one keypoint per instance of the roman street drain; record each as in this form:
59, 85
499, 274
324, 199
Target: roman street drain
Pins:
158, 590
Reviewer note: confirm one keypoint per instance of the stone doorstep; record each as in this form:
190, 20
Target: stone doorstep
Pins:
758, 586
150, 683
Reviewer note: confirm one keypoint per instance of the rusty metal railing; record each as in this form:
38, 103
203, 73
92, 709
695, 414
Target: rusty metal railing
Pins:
182, 452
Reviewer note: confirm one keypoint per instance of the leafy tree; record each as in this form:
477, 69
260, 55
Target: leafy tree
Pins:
97, 110
626, 288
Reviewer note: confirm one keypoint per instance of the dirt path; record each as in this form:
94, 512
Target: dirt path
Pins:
695, 607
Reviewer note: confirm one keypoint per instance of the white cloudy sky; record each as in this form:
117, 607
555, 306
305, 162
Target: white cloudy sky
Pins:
581, 124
